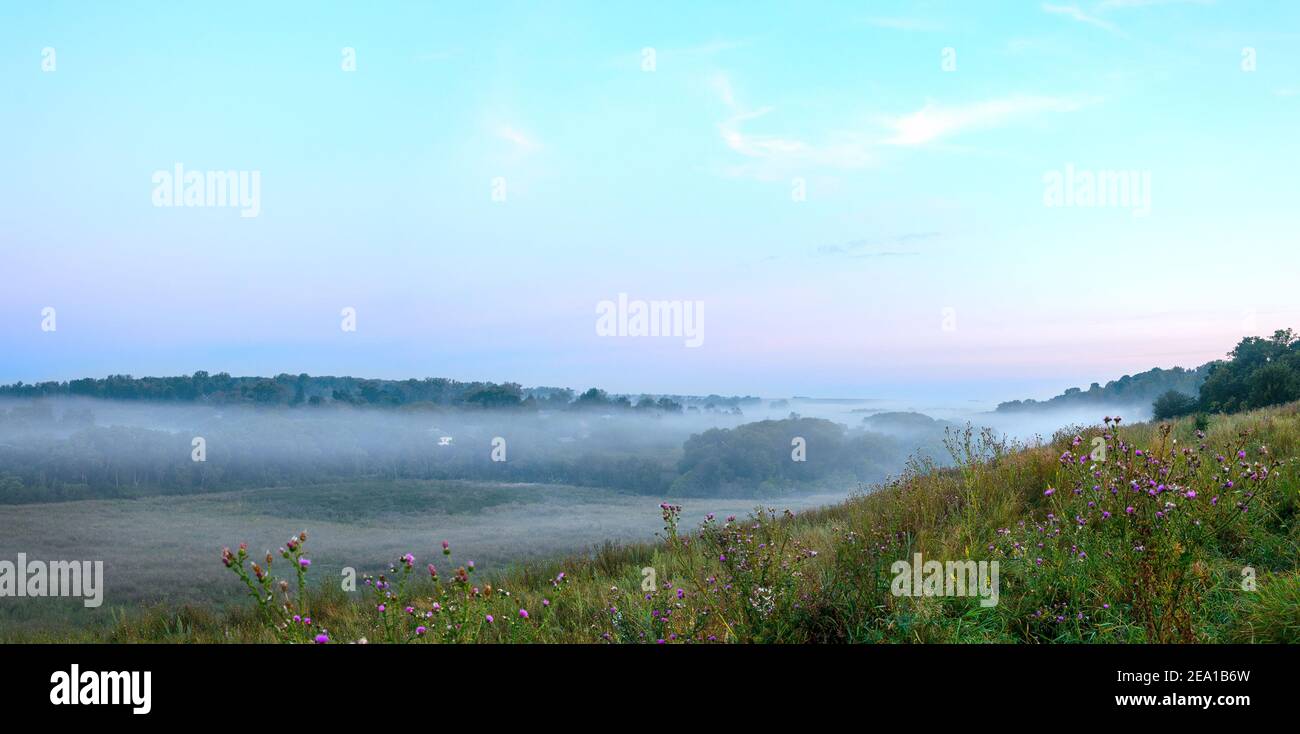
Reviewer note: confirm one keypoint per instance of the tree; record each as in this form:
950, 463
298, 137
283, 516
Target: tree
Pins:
1172, 404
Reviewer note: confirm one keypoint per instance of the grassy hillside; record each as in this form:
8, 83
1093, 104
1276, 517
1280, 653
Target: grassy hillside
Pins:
1176, 536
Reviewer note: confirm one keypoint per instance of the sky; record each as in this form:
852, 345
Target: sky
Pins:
863, 198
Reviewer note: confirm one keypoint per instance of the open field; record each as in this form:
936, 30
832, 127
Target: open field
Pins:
167, 548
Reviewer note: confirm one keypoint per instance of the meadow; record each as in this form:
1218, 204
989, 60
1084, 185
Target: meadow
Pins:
1184, 531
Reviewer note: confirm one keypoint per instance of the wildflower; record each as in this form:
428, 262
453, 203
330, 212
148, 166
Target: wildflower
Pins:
1129, 509
420, 630
304, 562
546, 602
322, 638
1049, 492
446, 548
523, 613
382, 608
490, 619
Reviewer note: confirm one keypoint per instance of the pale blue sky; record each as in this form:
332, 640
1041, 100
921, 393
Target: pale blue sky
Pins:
924, 190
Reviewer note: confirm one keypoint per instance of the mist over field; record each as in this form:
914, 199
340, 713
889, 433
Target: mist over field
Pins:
118, 480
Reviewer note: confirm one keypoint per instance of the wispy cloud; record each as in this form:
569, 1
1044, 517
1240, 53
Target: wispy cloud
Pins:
859, 147
1073, 12
894, 246
1107, 4
842, 150
934, 122
522, 142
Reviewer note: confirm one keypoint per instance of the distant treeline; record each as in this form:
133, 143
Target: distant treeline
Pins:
48, 455
1261, 371
1141, 388
772, 454
303, 389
